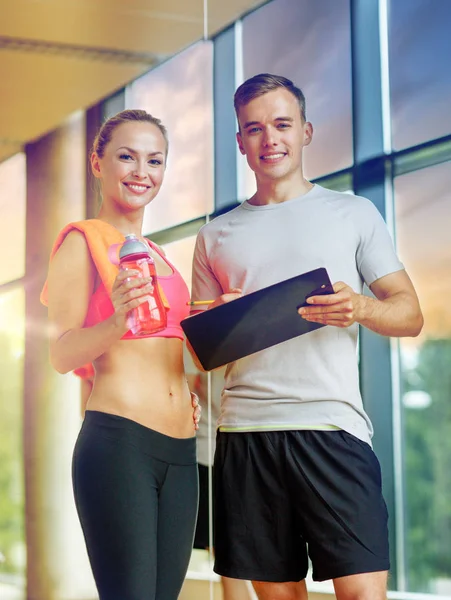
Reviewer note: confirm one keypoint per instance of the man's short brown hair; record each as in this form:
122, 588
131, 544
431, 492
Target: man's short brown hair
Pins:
262, 84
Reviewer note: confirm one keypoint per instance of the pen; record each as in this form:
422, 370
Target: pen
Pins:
199, 302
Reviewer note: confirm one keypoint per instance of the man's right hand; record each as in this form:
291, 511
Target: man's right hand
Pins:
232, 294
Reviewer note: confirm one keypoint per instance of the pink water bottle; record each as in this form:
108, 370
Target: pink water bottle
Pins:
150, 316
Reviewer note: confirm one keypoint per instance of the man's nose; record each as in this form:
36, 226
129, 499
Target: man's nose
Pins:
270, 137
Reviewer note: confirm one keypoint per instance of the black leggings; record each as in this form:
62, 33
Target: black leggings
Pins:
136, 492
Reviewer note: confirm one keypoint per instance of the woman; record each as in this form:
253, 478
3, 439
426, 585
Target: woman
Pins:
134, 464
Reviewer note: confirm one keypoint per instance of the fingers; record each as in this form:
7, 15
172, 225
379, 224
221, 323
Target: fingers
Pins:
197, 409
334, 319
130, 290
128, 280
233, 294
340, 296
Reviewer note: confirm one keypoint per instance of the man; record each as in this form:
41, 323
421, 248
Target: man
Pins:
294, 468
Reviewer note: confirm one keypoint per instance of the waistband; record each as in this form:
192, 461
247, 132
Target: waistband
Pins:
178, 451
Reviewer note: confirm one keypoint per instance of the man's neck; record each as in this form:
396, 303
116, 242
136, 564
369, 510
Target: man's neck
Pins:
276, 192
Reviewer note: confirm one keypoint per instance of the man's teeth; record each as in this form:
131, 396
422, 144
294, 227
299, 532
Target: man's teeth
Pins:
272, 156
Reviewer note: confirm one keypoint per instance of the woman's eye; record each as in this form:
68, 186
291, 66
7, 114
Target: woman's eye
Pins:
155, 162
125, 157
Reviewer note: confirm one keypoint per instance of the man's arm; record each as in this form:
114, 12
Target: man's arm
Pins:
394, 312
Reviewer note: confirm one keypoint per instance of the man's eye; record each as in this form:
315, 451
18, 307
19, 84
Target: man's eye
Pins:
253, 130
283, 125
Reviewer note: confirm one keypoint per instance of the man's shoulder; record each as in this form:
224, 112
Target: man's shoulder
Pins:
346, 196
218, 222
352, 203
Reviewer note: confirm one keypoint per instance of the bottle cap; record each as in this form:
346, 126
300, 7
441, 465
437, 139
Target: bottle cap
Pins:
132, 246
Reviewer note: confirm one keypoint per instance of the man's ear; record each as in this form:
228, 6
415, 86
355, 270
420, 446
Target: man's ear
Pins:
240, 143
95, 165
308, 133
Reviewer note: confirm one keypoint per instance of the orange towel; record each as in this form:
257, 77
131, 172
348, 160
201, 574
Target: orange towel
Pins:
85, 372
99, 236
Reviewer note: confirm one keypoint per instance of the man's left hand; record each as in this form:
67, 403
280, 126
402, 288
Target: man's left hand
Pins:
340, 309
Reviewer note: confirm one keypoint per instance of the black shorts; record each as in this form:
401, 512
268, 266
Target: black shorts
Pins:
202, 536
283, 496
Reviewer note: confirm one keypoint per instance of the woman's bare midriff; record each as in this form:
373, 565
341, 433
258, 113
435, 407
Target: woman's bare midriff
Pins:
143, 380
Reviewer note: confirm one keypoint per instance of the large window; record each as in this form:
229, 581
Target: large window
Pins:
423, 216
12, 218
179, 92
180, 253
12, 343
310, 43
12, 535
420, 74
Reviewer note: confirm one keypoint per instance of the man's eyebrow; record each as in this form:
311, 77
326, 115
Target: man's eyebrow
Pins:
135, 151
249, 123
252, 123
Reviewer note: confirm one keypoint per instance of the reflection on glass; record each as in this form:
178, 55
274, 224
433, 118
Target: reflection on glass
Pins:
310, 43
180, 253
420, 77
180, 93
12, 217
12, 536
423, 212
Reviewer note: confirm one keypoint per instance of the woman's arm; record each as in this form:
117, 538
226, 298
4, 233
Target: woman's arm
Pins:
70, 286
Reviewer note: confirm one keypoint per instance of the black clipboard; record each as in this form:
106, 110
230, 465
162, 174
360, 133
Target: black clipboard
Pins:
255, 321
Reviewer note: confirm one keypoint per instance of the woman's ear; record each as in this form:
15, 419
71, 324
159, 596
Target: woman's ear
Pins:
95, 165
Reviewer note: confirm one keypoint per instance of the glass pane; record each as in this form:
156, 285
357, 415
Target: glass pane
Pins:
420, 77
310, 43
423, 213
180, 93
12, 217
180, 253
12, 535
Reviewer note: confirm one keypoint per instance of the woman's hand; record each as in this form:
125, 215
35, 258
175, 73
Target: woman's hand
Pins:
128, 292
197, 409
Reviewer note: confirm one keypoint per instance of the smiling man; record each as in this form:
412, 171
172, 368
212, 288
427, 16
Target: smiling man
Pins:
295, 474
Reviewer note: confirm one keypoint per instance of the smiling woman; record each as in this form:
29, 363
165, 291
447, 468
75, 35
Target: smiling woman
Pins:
134, 464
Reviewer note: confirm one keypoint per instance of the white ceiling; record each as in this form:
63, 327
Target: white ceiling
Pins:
57, 56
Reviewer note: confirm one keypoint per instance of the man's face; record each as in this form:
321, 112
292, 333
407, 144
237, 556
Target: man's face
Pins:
272, 135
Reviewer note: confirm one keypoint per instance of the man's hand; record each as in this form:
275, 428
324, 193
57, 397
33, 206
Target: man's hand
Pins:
232, 294
341, 309
395, 311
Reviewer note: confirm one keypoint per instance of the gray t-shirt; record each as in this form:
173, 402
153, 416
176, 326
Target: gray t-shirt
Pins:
311, 381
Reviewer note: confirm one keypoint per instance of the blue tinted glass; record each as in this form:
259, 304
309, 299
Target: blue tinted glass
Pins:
420, 72
310, 43
180, 93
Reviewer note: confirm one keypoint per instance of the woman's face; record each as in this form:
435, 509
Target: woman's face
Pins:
132, 168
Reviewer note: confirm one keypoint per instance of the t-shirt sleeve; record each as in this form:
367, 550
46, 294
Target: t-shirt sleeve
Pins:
376, 255
205, 286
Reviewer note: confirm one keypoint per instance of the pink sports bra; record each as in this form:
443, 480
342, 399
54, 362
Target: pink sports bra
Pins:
176, 292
